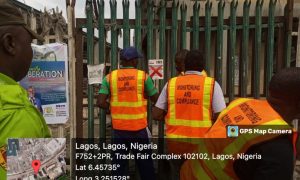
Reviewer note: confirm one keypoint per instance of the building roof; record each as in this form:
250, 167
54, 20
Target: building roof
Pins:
25, 7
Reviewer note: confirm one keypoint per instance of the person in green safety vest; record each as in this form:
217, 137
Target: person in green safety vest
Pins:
18, 117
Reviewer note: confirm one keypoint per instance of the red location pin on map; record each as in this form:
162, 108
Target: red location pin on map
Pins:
36, 164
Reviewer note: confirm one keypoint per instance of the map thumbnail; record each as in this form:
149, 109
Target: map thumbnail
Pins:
50, 152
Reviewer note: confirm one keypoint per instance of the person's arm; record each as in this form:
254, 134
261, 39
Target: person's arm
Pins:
218, 102
154, 98
150, 89
101, 101
103, 94
276, 162
159, 111
158, 114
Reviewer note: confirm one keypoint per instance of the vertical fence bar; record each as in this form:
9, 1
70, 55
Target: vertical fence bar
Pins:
270, 45
208, 6
162, 55
219, 43
138, 30
79, 82
101, 30
298, 47
150, 17
279, 51
126, 30
114, 35
196, 28
183, 9
257, 50
245, 42
162, 38
174, 37
288, 32
90, 59
232, 53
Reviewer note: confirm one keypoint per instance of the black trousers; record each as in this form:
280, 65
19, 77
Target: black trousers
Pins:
128, 138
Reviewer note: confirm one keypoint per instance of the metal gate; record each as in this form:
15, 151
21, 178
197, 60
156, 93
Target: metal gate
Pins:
242, 50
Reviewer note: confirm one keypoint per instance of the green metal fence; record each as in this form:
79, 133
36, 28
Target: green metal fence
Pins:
161, 28
241, 51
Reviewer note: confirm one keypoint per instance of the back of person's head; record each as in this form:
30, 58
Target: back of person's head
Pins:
284, 94
180, 56
194, 61
285, 84
179, 60
15, 42
129, 56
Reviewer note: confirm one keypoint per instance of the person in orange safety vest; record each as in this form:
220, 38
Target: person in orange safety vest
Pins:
128, 89
252, 155
188, 104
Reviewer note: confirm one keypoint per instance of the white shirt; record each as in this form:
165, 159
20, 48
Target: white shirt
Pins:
218, 102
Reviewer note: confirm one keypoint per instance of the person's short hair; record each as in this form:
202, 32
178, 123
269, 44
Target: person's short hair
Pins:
285, 84
194, 60
180, 56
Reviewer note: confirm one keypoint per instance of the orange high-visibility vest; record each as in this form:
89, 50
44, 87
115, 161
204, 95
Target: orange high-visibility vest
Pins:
127, 102
243, 111
189, 106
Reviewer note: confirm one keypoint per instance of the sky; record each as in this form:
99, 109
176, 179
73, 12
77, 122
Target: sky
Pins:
79, 7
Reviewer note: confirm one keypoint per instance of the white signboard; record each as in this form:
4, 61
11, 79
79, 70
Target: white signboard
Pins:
156, 68
95, 73
47, 82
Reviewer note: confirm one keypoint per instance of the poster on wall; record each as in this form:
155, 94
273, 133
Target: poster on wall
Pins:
46, 82
95, 73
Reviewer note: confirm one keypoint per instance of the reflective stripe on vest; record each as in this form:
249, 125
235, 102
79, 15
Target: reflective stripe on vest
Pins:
128, 106
223, 169
180, 120
198, 171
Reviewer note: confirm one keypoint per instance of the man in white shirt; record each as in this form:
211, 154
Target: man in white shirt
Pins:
218, 102
189, 104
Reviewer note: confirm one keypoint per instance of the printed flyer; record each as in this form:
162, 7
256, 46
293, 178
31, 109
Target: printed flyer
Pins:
46, 82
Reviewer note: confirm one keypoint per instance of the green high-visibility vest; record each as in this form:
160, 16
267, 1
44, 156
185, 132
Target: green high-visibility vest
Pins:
18, 118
